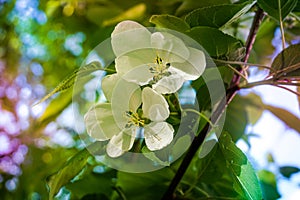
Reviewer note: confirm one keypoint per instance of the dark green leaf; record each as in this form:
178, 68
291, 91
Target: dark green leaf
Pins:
236, 118
189, 5
245, 181
93, 183
67, 172
290, 119
70, 80
140, 186
170, 22
272, 8
218, 15
288, 171
214, 41
287, 62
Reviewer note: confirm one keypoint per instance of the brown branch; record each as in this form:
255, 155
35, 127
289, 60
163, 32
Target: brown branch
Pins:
230, 93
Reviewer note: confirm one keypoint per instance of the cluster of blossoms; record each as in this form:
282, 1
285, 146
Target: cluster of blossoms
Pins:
149, 66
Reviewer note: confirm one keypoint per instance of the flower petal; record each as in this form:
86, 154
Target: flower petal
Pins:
108, 84
126, 97
169, 84
174, 49
194, 67
131, 60
128, 36
139, 75
155, 106
120, 143
100, 123
158, 135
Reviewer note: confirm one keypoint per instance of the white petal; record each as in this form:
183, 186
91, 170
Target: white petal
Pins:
126, 97
158, 135
195, 65
120, 143
169, 84
128, 36
100, 123
174, 48
108, 84
131, 60
155, 106
139, 75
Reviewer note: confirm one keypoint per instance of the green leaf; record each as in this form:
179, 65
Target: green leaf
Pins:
287, 62
288, 171
189, 5
268, 185
214, 41
152, 156
288, 118
70, 169
140, 186
272, 7
254, 107
217, 16
209, 167
170, 22
263, 47
236, 118
93, 183
70, 80
245, 181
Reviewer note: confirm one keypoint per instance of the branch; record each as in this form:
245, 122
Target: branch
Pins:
199, 139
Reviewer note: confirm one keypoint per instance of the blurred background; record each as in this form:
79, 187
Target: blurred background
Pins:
41, 42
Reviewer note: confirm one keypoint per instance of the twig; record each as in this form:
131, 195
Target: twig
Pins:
199, 139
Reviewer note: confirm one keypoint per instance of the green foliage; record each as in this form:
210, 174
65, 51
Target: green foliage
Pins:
214, 41
288, 171
273, 9
219, 170
287, 63
235, 123
67, 172
170, 22
217, 16
268, 185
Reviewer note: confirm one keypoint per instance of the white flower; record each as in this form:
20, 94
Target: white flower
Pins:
159, 59
120, 120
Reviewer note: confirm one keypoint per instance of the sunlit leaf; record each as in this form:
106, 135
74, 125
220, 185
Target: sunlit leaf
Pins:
218, 15
170, 22
134, 13
254, 107
288, 118
70, 80
268, 185
272, 8
245, 180
287, 62
288, 171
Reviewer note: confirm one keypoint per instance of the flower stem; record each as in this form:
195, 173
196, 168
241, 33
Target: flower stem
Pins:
199, 139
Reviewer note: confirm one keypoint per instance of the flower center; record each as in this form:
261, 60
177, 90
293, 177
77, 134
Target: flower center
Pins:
159, 70
134, 119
